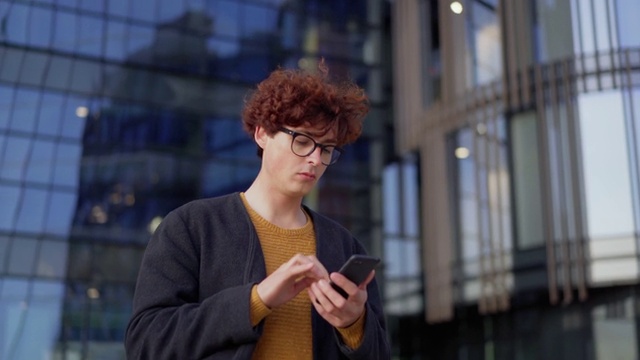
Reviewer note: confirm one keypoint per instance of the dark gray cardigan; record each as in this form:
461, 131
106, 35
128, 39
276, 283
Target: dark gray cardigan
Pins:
194, 287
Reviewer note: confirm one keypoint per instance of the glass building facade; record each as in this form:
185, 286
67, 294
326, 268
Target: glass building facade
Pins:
113, 113
523, 117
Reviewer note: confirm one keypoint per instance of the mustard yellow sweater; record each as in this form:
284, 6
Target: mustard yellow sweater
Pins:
287, 329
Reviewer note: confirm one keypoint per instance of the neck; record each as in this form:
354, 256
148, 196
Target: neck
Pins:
277, 208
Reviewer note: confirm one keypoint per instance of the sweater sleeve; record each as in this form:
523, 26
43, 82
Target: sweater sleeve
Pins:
169, 320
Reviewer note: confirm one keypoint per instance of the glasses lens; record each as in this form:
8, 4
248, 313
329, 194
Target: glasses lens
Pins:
302, 145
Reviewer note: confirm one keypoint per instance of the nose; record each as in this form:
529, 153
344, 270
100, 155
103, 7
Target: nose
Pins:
315, 157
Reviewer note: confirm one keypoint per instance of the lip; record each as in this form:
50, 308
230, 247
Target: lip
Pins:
308, 175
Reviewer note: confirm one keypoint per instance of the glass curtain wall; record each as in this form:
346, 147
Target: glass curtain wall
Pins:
112, 113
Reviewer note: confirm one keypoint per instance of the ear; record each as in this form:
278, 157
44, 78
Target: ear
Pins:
260, 136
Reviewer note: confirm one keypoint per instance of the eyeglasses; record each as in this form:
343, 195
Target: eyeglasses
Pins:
303, 145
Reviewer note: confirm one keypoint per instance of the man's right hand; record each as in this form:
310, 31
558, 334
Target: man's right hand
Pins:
289, 279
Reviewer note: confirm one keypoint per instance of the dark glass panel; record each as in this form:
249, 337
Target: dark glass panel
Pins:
5, 243
22, 256
33, 68
59, 73
6, 106
52, 259
80, 259
10, 61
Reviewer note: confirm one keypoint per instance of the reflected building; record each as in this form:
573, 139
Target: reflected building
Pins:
114, 113
518, 123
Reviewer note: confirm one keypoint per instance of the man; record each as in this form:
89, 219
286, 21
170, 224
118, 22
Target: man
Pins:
247, 275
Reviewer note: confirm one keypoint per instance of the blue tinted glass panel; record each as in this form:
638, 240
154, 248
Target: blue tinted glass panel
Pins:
31, 211
115, 40
33, 68
91, 36
40, 323
258, 20
25, 109
66, 31
40, 26
23, 256
67, 3
16, 23
15, 158
73, 125
6, 104
143, 10
226, 18
59, 216
39, 168
118, 7
92, 5
67, 166
9, 198
222, 48
49, 117
52, 259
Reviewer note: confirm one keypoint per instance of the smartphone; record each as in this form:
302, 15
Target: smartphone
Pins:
356, 269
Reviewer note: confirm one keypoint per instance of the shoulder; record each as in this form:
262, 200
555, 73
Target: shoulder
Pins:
230, 203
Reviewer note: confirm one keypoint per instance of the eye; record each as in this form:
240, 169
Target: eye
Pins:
303, 140
327, 149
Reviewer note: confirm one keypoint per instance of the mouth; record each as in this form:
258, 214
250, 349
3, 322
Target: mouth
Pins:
308, 175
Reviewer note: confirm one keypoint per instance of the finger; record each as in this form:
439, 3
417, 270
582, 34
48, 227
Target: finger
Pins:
321, 270
369, 278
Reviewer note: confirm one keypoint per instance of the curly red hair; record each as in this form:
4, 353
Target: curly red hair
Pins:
293, 97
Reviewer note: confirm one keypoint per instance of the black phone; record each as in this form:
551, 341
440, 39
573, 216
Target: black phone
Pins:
356, 269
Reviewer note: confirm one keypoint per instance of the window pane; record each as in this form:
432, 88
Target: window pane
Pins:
25, 108
33, 68
9, 196
40, 26
32, 211
50, 112
17, 21
23, 256
91, 35
67, 165
52, 259
61, 209
15, 158
40, 164
6, 105
66, 30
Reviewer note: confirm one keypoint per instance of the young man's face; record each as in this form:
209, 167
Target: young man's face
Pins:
290, 174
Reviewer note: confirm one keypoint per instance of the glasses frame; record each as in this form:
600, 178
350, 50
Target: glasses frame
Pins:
336, 149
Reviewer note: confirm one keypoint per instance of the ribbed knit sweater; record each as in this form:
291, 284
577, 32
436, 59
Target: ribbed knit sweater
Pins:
287, 329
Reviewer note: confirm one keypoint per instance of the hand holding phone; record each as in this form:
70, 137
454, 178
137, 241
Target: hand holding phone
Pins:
356, 269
